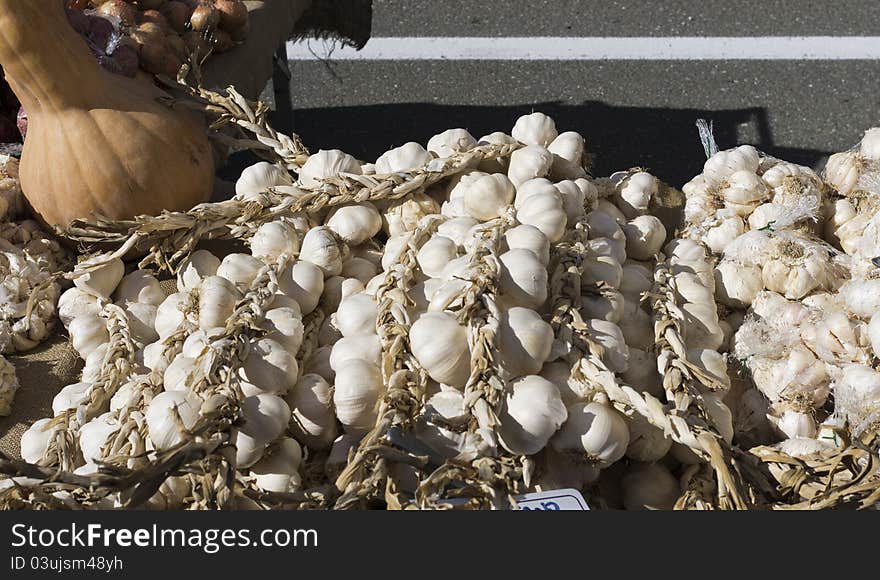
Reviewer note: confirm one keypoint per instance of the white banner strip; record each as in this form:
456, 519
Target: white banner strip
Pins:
597, 48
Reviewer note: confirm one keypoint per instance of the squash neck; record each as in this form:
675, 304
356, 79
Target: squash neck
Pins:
47, 64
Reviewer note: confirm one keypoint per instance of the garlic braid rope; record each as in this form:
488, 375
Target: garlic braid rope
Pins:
115, 369
403, 377
172, 236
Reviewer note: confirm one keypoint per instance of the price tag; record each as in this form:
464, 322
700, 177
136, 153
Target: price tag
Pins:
554, 500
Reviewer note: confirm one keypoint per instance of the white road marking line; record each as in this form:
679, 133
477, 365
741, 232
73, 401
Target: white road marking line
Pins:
598, 48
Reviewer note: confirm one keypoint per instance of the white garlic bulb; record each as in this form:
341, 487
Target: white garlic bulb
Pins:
559, 373
88, 333
311, 402
573, 198
278, 470
403, 215
101, 280
179, 374
170, 314
523, 278
435, 255
196, 268
217, 299
524, 341
142, 322
535, 129
609, 335
265, 419
357, 389
407, 157
605, 305
75, 302
737, 284
594, 431
327, 163
365, 347
357, 315
488, 196
457, 229
304, 282
258, 178
319, 247
169, 415
35, 441
274, 240
723, 164
439, 344
634, 194
319, 363
284, 325
359, 269
240, 269
842, 171
269, 368
646, 442
70, 397
451, 141
93, 436
355, 223
641, 373
528, 163
532, 413
645, 235
139, 286
796, 424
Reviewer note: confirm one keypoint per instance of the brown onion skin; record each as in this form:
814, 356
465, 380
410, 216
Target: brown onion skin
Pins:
233, 14
149, 4
125, 12
177, 14
221, 41
154, 17
205, 17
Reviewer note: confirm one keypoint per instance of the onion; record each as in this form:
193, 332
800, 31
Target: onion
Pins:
205, 18
177, 14
233, 14
121, 11
154, 17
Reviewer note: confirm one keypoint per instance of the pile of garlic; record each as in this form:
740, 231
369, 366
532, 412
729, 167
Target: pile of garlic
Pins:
28, 293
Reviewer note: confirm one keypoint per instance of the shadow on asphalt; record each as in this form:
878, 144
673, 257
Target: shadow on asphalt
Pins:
665, 141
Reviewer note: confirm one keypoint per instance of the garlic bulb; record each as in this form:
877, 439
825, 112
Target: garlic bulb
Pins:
644, 237
523, 278
75, 302
142, 322
169, 415
278, 470
609, 335
240, 269
528, 163
633, 196
635, 280
319, 363
200, 265
88, 333
407, 157
319, 246
573, 198
364, 347
274, 240
439, 344
258, 178
568, 155
139, 286
354, 223
268, 368
304, 282
535, 129
179, 373
796, 424
217, 299
284, 325
649, 486
70, 397
842, 171
435, 254
532, 413
35, 441
311, 402
488, 196
594, 431
403, 215
170, 314
324, 164
357, 315
723, 164
357, 389
559, 373
647, 443
737, 284
641, 372
524, 341
606, 305
451, 141
101, 280
442, 410
265, 419
93, 436
337, 289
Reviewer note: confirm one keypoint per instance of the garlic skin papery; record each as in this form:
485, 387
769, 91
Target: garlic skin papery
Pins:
321, 248
35, 441
311, 402
354, 223
595, 432
99, 280
265, 418
529, 163
487, 197
524, 341
275, 240
325, 164
240, 269
358, 387
200, 265
647, 443
75, 302
450, 142
532, 413
407, 157
439, 343
535, 129
169, 415
88, 333
258, 178
304, 282
278, 470
268, 368
217, 299
523, 278
139, 286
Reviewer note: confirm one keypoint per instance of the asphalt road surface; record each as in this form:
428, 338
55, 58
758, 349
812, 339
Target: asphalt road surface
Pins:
632, 113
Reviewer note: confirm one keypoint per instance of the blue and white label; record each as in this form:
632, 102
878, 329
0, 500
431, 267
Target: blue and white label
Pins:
555, 500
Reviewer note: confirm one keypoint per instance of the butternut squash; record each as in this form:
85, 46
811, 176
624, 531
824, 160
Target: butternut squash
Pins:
97, 142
